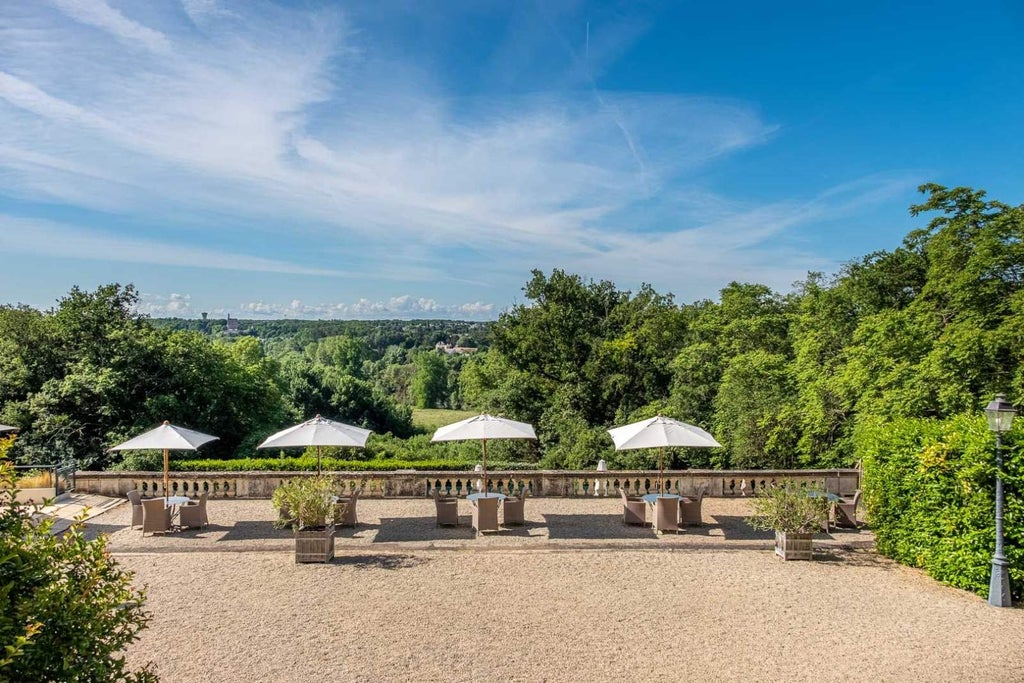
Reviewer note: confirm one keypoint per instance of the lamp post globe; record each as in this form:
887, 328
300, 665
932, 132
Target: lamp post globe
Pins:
999, 413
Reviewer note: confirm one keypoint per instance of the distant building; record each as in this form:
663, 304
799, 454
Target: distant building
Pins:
449, 349
232, 325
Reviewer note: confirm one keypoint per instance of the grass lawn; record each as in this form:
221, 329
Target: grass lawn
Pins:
432, 418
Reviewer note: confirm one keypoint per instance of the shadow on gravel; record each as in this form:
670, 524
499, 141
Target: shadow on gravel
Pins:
245, 531
735, 528
853, 558
412, 529
593, 526
354, 531
93, 530
519, 529
379, 561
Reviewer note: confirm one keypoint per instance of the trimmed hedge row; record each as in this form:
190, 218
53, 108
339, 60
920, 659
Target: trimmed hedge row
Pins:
305, 464
929, 487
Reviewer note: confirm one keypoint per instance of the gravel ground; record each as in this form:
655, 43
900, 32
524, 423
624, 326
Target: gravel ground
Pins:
574, 596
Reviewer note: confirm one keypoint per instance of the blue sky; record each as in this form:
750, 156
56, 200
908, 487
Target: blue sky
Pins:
417, 159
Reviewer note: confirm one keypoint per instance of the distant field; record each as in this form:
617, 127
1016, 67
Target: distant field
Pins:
432, 418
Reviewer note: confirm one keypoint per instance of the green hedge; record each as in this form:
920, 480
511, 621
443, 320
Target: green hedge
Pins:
929, 487
306, 464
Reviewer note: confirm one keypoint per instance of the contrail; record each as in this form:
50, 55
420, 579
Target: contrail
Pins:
612, 111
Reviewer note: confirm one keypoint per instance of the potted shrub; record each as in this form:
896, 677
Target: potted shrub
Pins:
309, 507
794, 516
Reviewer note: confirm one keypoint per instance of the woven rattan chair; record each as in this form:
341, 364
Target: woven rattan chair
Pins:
846, 511
666, 514
485, 514
447, 508
194, 514
513, 510
689, 509
156, 517
350, 518
634, 510
135, 498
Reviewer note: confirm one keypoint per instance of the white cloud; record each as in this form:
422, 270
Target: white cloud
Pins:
30, 236
100, 15
257, 125
172, 305
405, 306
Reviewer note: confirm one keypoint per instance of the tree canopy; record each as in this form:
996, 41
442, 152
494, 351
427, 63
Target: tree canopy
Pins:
930, 329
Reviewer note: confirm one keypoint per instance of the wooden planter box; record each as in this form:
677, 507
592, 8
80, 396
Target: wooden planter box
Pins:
793, 546
314, 545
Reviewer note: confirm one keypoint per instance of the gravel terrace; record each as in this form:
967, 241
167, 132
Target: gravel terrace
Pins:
574, 595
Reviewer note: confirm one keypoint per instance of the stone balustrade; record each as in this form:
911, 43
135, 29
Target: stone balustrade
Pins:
410, 484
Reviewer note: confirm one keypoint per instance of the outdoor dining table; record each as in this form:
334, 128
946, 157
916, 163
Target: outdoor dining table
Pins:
478, 496
652, 498
173, 502
831, 500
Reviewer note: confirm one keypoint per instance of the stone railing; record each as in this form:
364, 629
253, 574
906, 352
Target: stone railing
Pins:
407, 483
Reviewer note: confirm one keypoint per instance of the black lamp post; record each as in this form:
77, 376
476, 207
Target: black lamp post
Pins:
1000, 416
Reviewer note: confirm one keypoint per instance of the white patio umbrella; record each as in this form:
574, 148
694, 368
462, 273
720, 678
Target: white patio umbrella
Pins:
318, 432
484, 427
7, 428
659, 432
166, 437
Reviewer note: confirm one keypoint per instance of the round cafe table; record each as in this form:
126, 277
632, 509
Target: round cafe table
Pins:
478, 496
652, 498
173, 502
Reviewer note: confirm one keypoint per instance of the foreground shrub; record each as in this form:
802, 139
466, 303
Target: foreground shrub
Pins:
67, 610
929, 486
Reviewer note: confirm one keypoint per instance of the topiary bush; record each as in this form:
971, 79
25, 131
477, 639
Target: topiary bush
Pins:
929, 488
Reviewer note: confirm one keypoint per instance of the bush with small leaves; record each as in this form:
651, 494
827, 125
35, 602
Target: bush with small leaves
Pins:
67, 609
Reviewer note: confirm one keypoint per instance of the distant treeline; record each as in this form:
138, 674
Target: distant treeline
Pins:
377, 335
930, 329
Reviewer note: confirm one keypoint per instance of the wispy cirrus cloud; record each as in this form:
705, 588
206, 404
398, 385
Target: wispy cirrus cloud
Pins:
46, 238
249, 125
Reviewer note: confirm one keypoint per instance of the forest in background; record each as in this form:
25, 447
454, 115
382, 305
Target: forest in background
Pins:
932, 328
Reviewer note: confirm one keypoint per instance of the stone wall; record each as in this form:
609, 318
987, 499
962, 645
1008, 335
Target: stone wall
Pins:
561, 483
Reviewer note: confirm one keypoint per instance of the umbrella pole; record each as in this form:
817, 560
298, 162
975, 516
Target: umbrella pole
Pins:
167, 475
318, 471
485, 467
661, 471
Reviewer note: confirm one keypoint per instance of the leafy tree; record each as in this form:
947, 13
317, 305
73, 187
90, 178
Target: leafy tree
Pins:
430, 383
755, 417
68, 610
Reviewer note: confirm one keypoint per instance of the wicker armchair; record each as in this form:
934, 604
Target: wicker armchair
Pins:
689, 509
194, 514
846, 511
513, 510
666, 514
447, 508
634, 510
350, 518
156, 517
136, 500
485, 514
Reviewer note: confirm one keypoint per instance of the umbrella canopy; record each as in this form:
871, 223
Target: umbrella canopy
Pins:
318, 432
660, 432
484, 428
7, 428
166, 437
